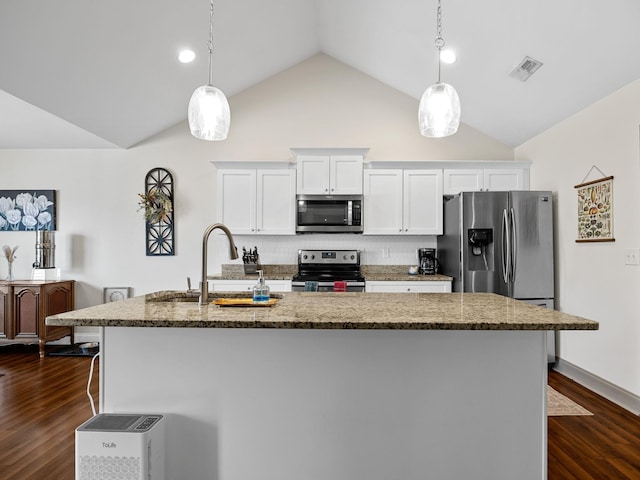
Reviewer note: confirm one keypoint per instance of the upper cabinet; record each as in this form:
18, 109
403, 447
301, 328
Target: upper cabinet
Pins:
496, 178
382, 209
402, 202
329, 171
257, 201
400, 198
503, 179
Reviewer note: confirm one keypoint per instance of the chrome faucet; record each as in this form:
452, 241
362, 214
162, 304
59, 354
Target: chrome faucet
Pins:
233, 254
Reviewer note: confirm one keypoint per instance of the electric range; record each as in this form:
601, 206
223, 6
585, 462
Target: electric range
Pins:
328, 271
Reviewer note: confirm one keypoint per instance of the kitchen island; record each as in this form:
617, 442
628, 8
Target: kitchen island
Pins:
334, 386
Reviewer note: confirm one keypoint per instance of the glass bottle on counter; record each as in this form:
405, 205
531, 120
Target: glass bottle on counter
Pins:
261, 291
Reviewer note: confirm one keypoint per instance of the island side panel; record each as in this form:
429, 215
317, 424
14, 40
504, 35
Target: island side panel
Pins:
336, 404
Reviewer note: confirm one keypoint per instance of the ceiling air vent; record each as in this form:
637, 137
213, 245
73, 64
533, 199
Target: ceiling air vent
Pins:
525, 69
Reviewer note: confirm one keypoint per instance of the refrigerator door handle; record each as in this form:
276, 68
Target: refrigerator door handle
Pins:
505, 247
514, 246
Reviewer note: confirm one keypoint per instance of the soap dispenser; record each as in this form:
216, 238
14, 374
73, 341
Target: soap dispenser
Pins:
261, 292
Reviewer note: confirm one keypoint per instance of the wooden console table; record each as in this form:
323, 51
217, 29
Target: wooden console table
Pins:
24, 304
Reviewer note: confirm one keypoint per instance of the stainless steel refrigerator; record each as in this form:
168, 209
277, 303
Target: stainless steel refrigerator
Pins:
501, 242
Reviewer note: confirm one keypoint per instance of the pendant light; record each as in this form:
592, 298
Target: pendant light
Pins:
439, 110
209, 114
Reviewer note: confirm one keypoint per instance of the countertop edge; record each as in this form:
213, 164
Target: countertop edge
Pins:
300, 312
319, 326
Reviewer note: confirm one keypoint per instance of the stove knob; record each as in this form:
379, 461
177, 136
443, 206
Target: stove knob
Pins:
304, 257
313, 257
353, 257
344, 257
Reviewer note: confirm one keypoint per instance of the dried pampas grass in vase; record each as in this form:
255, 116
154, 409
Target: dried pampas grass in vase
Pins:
10, 255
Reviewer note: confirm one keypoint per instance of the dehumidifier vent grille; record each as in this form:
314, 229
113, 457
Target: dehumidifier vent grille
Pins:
93, 467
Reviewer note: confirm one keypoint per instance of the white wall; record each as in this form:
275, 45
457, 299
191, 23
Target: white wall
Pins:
318, 103
592, 279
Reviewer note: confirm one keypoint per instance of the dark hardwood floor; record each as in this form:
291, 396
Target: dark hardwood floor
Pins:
41, 404
43, 401
599, 447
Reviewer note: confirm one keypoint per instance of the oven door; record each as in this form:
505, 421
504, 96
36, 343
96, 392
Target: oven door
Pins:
329, 214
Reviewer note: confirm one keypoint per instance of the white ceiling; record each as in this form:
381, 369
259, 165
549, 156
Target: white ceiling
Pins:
104, 74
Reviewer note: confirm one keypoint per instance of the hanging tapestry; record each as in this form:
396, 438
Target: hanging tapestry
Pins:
595, 211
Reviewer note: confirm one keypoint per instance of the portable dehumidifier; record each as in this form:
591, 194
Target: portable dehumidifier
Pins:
120, 446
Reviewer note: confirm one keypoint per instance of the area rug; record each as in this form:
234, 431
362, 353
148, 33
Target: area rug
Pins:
559, 405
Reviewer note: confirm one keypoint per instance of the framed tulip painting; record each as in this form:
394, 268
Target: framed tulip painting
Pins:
595, 211
27, 210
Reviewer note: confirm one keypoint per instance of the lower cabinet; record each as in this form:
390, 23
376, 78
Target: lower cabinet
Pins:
281, 286
412, 286
24, 305
276, 286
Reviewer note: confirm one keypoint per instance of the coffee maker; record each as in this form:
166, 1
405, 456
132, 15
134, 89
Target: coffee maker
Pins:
427, 262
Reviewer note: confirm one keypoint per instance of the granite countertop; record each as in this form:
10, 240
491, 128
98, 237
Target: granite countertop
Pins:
394, 273
398, 273
234, 271
313, 310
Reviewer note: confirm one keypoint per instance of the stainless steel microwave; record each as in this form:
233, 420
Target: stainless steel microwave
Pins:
329, 214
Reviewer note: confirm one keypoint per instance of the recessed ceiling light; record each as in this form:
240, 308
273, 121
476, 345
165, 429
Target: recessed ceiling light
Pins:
186, 56
448, 56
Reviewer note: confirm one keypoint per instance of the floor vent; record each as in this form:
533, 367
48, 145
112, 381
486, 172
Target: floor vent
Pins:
525, 69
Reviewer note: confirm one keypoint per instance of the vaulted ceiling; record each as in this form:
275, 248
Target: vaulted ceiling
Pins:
104, 74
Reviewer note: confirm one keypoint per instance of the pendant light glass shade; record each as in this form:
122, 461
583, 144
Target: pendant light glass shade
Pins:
439, 111
209, 114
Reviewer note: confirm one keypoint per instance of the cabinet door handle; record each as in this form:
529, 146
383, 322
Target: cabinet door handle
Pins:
408, 289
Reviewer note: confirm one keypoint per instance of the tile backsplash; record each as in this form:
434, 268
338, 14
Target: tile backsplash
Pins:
280, 249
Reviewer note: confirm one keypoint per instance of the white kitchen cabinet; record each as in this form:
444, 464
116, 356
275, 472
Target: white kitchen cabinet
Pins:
422, 202
276, 286
458, 180
257, 201
383, 202
503, 179
237, 200
313, 174
345, 175
275, 202
329, 174
402, 202
416, 286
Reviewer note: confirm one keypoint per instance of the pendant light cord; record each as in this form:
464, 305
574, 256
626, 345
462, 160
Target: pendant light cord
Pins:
210, 44
439, 40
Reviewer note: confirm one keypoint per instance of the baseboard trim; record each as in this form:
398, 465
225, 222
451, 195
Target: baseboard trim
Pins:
608, 390
86, 337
